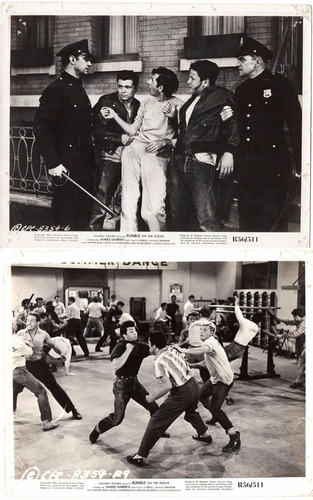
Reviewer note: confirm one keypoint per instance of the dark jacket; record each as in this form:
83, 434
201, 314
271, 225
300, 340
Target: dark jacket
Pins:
62, 126
264, 104
107, 133
206, 132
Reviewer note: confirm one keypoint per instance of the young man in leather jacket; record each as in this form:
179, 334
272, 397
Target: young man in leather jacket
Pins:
110, 139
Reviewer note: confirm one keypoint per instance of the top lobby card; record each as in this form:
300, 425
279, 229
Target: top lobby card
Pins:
171, 126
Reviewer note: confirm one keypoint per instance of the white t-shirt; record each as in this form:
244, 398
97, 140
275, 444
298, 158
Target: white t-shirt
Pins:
217, 362
188, 308
21, 351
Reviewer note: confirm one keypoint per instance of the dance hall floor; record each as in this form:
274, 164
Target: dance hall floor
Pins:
269, 415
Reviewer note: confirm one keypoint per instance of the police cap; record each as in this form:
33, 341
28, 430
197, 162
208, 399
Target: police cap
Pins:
251, 47
75, 49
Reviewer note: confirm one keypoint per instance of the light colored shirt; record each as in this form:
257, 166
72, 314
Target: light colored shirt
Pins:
59, 308
21, 351
125, 317
151, 124
38, 339
95, 310
300, 330
209, 158
188, 308
247, 329
73, 311
171, 363
217, 362
161, 315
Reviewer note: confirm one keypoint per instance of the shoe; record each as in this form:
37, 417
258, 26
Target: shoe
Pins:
97, 349
93, 436
76, 415
211, 421
204, 439
234, 443
230, 401
86, 355
47, 425
296, 385
165, 435
136, 461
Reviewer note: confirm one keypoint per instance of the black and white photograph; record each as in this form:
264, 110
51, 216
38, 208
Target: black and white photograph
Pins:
126, 392
181, 124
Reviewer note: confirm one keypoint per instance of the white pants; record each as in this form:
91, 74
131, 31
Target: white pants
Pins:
149, 169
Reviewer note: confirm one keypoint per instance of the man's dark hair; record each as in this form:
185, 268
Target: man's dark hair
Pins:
125, 325
95, 299
57, 296
167, 79
206, 70
38, 298
128, 75
32, 313
164, 304
173, 296
25, 302
205, 312
71, 299
120, 303
43, 315
195, 314
158, 339
191, 297
298, 312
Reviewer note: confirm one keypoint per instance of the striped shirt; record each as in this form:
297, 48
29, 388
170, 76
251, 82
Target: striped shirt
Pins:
300, 330
172, 364
217, 362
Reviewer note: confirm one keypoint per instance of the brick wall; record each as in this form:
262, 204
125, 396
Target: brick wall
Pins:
161, 43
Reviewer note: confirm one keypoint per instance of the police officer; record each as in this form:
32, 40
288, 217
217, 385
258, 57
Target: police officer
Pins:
62, 129
264, 102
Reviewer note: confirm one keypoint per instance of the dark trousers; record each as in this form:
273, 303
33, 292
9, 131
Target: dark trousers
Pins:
110, 178
181, 399
125, 389
191, 183
22, 377
41, 371
109, 329
218, 393
74, 328
259, 209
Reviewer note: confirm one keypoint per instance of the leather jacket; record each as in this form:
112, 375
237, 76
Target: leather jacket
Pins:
206, 132
107, 133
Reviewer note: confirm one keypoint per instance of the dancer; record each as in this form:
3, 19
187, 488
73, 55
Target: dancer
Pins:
219, 384
174, 374
21, 351
126, 357
37, 366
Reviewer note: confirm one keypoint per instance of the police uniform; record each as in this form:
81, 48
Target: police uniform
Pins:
62, 129
263, 166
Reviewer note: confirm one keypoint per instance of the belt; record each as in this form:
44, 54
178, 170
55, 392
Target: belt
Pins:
127, 378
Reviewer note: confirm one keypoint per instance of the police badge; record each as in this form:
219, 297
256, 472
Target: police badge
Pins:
267, 93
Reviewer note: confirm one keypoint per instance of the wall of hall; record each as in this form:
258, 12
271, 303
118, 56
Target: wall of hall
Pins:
127, 284
205, 280
41, 281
